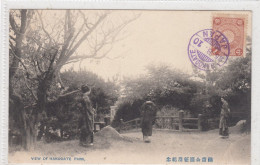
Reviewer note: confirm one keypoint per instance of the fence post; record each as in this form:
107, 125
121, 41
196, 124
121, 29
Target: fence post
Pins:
163, 123
171, 121
181, 114
121, 125
199, 122
107, 121
136, 123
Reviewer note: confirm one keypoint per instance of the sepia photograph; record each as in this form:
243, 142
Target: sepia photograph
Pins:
129, 86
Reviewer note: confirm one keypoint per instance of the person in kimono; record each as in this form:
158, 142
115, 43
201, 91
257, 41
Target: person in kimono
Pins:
86, 118
224, 115
148, 117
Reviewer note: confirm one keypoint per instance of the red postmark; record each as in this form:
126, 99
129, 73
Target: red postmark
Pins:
233, 27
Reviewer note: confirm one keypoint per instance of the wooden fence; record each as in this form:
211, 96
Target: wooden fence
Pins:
167, 122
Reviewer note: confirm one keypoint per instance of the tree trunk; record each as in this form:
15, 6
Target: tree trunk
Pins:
40, 111
16, 106
28, 139
18, 114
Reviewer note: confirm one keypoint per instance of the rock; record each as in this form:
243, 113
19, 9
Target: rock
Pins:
108, 132
237, 128
241, 122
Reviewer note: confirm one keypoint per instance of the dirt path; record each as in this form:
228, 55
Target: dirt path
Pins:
235, 150
165, 144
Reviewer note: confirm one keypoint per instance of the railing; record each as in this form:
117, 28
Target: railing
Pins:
167, 122
131, 124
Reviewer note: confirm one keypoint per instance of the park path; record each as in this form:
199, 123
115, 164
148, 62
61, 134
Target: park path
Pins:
234, 150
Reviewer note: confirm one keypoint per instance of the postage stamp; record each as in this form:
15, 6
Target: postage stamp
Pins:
89, 83
234, 28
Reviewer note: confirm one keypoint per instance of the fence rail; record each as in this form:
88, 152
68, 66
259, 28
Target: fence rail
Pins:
167, 122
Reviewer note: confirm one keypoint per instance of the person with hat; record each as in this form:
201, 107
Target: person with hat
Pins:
148, 117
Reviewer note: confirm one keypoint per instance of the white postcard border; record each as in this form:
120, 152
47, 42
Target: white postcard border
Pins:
253, 6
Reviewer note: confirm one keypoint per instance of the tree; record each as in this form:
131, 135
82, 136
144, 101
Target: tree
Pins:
233, 82
42, 42
17, 110
164, 85
104, 93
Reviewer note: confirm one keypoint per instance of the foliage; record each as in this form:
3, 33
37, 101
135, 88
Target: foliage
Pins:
63, 114
103, 93
163, 85
41, 43
199, 94
127, 111
233, 82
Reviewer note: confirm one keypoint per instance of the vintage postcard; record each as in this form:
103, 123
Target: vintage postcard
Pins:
129, 86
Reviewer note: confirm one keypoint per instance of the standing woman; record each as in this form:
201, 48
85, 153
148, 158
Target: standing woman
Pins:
86, 119
224, 114
148, 116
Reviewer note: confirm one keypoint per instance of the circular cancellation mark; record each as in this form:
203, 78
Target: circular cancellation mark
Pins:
208, 49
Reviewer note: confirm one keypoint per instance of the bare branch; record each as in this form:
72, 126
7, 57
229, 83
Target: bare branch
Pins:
20, 60
66, 40
34, 96
109, 38
37, 62
52, 60
13, 23
60, 81
11, 45
63, 51
62, 60
34, 64
104, 54
69, 19
85, 20
70, 93
38, 65
11, 37
76, 36
82, 57
84, 37
43, 28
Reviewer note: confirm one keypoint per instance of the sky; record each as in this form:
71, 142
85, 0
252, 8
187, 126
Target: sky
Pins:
156, 37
